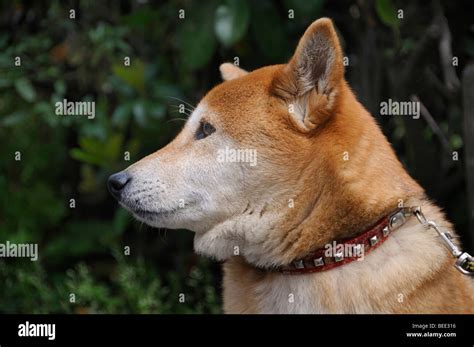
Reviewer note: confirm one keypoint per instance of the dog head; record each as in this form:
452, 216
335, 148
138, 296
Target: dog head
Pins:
254, 146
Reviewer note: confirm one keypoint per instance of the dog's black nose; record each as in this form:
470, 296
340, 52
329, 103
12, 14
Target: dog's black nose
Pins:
117, 182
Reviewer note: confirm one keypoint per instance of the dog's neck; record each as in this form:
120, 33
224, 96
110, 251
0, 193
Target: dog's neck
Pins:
344, 198
339, 189
387, 280
344, 251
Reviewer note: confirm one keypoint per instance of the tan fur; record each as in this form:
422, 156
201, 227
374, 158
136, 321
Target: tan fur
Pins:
230, 71
396, 278
349, 197
304, 122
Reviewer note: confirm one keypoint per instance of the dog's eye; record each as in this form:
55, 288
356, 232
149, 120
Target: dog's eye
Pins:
205, 129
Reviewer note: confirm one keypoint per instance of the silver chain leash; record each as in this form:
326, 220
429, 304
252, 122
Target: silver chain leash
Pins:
464, 261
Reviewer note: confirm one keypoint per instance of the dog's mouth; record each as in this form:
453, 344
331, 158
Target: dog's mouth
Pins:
151, 215
155, 214
159, 213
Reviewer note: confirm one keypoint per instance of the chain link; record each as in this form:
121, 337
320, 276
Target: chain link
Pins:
464, 261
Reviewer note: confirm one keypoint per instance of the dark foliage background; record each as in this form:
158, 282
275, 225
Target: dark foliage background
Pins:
62, 158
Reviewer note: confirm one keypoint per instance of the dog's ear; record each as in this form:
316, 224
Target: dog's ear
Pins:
230, 71
309, 83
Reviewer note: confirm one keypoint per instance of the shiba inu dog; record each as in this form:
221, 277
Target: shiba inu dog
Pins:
321, 171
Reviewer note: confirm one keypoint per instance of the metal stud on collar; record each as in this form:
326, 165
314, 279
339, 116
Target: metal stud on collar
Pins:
357, 250
374, 240
464, 261
338, 257
397, 220
298, 264
318, 262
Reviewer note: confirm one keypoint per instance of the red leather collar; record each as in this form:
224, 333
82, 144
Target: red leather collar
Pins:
348, 250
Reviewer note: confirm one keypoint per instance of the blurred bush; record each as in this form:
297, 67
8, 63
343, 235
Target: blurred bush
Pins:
175, 60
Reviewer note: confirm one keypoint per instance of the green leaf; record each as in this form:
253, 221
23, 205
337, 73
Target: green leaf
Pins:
387, 13
196, 40
231, 21
80, 238
85, 157
113, 146
122, 114
91, 145
26, 90
5, 82
456, 141
134, 74
133, 146
14, 119
139, 113
269, 33
121, 221
88, 182
305, 8
157, 111
44, 108
141, 18
60, 87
